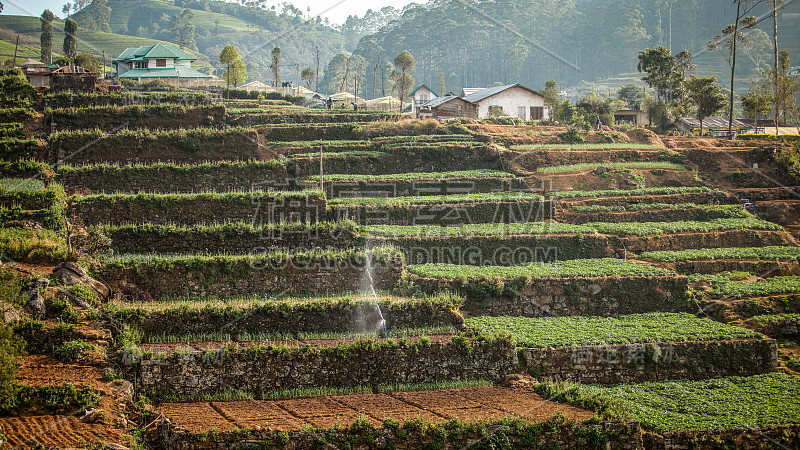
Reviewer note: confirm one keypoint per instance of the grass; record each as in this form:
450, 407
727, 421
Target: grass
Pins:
32, 245
629, 192
603, 267
737, 209
769, 253
482, 229
604, 146
416, 176
625, 165
438, 199
656, 228
594, 330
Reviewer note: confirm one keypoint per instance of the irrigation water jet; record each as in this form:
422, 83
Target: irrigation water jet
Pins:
368, 269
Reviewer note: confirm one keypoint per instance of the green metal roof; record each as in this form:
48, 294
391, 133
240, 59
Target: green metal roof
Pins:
172, 72
420, 87
168, 51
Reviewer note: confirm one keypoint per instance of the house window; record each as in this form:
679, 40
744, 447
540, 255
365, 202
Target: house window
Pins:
161, 63
537, 112
521, 112
495, 111
140, 65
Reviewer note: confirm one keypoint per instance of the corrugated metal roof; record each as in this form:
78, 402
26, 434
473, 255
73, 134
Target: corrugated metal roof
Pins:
420, 87
488, 92
469, 91
155, 51
438, 101
718, 122
73, 69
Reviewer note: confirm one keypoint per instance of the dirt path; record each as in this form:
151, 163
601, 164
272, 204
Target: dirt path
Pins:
467, 404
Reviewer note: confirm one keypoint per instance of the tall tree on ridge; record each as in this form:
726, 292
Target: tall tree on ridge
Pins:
275, 66
70, 46
46, 39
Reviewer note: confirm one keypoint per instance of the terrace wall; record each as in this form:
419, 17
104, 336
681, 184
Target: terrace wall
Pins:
446, 214
648, 215
620, 436
256, 208
499, 250
409, 188
330, 316
542, 297
226, 277
787, 436
221, 177
190, 147
136, 117
624, 363
249, 119
697, 240
308, 132
262, 370
763, 268
239, 240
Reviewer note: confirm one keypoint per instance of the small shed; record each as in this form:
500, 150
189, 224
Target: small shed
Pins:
448, 107
73, 78
630, 117
37, 72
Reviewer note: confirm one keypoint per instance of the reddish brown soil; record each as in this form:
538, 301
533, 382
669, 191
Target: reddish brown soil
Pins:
40, 370
58, 432
485, 402
585, 181
169, 347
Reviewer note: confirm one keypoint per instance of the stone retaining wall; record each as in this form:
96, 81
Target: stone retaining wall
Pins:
542, 297
446, 215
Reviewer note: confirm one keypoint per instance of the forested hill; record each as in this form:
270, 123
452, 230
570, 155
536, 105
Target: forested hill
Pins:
531, 41
216, 24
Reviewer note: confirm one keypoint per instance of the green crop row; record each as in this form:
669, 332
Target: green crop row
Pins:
606, 146
16, 148
629, 192
380, 254
769, 253
162, 110
271, 164
769, 286
625, 165
324, 144
21, 185
127, 133
603, 267
653, 228
480, 229
507, 196
12, 130
23, 168
738, 210
595, 330
480, 173
241, 197
231, 228
15, 115
717, 404
339, 154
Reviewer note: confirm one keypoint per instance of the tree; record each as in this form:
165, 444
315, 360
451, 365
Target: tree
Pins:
182, 29
404, 62
101, 14
758, 101
89, 62
786, 86
631, 94
70, 38
66, 9
442, 86
308, 75
229, 56
731, 38
551, 97
236, 73
275, 66
706, 96
662, 71
46, 39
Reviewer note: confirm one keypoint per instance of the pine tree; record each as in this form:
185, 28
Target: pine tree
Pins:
70, 39
46, 39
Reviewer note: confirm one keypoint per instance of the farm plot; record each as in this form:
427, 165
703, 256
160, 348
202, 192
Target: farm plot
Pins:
438, 406
767, 261
651, 212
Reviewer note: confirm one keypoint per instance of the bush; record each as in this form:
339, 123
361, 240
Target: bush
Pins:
73, 350
571, 136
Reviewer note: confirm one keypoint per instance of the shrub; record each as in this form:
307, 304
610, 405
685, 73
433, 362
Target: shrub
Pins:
73, 350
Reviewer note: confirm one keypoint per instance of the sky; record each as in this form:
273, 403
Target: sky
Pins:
336, 10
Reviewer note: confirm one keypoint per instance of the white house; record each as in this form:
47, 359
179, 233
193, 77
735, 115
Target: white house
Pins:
419, 96
166, 62
512, 100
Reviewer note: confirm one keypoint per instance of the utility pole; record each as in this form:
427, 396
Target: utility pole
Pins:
16, 46
297, 90
670, 28
321, 187
374, 78
104, 64
316, 76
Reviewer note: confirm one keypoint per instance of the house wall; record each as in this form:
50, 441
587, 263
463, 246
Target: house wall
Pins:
510, 100
455, 108
422, 96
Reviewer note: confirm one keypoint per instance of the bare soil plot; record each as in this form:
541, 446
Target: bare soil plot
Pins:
40, 370
57, 432
468, 404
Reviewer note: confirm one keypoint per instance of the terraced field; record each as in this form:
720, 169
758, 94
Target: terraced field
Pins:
427, 287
